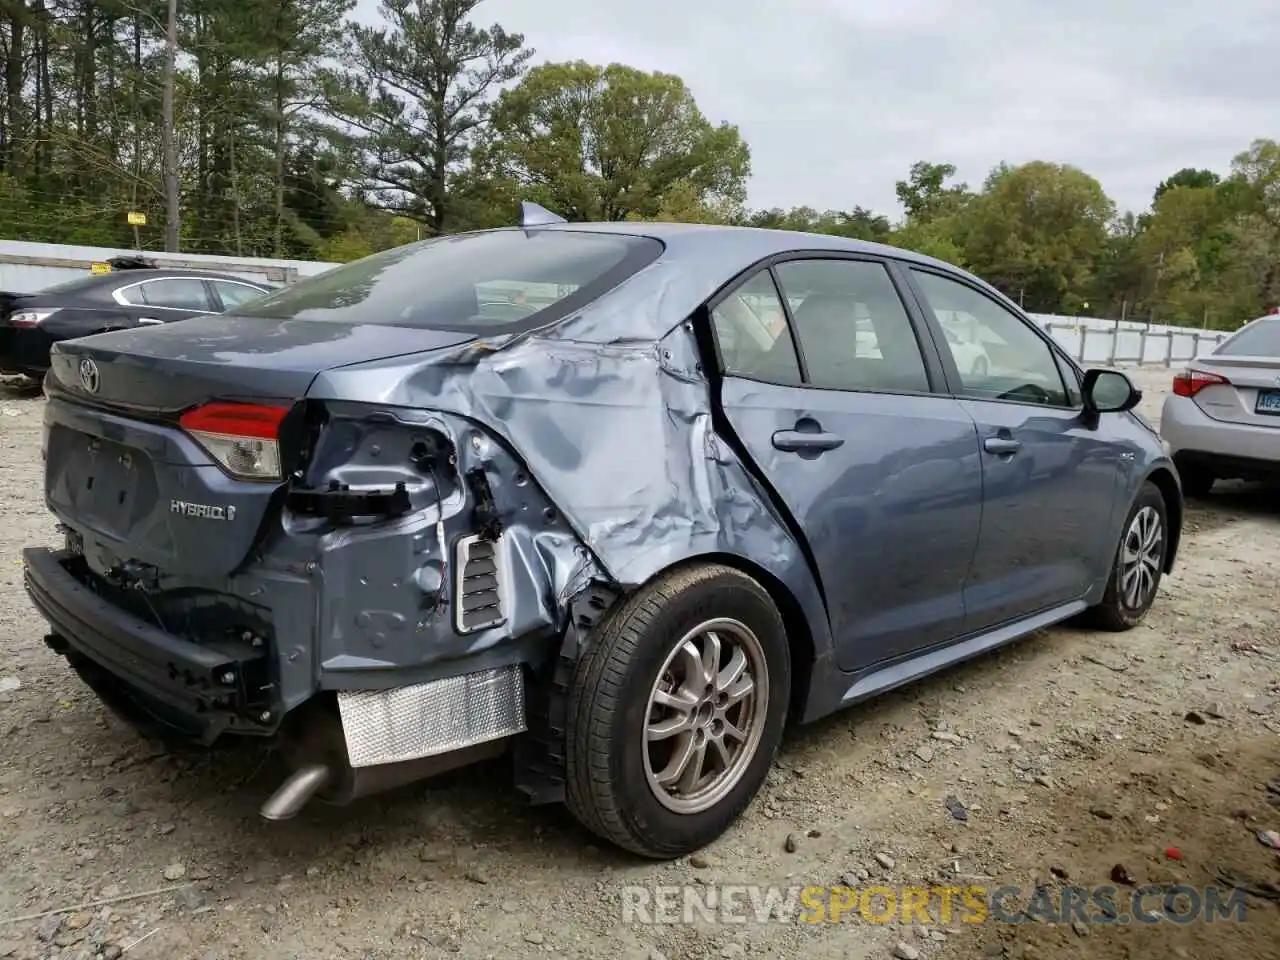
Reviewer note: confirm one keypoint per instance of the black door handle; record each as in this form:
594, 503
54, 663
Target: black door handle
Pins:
1001, 445
794, 441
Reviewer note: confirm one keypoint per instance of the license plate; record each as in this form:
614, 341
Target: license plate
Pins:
1268, 402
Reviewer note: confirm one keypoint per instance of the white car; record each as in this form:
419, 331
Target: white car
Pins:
971, 357
1222, 420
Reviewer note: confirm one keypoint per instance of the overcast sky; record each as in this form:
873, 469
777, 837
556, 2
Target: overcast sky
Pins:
837, 98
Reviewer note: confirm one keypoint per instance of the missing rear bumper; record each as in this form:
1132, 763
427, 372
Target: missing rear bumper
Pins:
153, 679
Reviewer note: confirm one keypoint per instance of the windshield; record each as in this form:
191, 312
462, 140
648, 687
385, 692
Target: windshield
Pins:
1261, 339
492, 281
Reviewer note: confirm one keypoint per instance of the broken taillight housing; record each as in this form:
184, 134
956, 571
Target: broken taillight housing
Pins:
1190, 382
244, 438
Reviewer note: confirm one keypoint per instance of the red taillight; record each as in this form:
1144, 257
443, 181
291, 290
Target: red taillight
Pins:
29, 318
243, 437
236, 420
1190, 382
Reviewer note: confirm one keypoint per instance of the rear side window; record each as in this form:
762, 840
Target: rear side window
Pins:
94, 281
1260, 340
751, 332
178, 293
234, 294
498, 281
854, 331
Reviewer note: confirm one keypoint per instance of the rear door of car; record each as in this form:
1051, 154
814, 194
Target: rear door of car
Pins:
165, 299
1051, 479
838, 406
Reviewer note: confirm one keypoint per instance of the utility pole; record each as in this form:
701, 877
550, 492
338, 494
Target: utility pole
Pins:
170, 134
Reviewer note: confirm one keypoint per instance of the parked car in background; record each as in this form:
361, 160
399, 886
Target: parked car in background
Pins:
133, 294
403, 516
1222, 421
971, 356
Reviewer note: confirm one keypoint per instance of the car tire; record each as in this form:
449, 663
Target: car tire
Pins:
1197, 481
644, 652
1144, 544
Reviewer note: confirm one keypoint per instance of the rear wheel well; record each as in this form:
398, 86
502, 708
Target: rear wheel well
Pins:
1165, 482
799, 636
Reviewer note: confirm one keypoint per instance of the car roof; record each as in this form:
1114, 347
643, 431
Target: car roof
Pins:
95, 285
696, 261
755, 243
159, 273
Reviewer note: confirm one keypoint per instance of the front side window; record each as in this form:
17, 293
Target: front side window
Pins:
853, 329
1071, 377
180, 293
499, 281
1002, 358
751, 333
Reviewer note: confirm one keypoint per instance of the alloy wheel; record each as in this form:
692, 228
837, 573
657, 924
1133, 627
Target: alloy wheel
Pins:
706, 715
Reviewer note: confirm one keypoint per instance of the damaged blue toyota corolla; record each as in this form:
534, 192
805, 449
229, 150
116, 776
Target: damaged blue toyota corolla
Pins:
618, 499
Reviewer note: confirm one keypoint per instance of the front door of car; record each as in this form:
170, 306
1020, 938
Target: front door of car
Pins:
1050, 479
829, 391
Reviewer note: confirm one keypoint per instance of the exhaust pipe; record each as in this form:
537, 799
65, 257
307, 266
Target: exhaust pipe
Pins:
315, 750
293, 794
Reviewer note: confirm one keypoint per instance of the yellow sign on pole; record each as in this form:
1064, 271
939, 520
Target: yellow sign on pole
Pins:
99, 268
137, 219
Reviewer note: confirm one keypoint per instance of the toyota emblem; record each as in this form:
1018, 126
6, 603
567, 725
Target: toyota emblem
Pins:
89, 375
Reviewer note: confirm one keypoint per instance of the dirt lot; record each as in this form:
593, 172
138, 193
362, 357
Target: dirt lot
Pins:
1072, 752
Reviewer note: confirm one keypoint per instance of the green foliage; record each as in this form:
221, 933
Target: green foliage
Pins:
412, 96
1036, 232
608, 143
303, 134
924, 195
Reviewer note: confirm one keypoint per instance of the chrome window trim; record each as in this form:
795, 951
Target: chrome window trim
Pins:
118, 293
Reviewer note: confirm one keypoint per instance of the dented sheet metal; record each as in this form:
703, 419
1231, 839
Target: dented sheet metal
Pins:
585, 452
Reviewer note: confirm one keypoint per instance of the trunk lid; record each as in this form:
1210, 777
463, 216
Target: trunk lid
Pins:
145, 493
1252, 395
164, 369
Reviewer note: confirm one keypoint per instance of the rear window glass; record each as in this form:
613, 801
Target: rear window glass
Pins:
1260, 340
502, 280
91, 282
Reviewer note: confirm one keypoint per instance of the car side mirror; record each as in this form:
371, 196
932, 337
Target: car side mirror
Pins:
1109, 391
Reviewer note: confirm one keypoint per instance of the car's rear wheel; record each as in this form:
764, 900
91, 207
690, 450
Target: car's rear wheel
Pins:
1138, 566
1197, 479
676, 711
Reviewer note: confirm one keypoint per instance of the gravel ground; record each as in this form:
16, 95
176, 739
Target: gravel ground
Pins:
1076, 755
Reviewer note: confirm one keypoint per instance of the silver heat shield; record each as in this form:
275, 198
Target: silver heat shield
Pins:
408, 723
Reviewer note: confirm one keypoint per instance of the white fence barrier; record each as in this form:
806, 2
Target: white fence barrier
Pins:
1129, 344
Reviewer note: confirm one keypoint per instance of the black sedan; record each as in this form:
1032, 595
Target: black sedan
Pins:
131, 295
